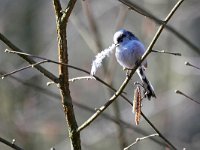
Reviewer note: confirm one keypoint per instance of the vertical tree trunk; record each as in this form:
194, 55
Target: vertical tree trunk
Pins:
61, 21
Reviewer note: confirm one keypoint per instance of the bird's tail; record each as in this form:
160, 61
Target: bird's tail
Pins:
147, 85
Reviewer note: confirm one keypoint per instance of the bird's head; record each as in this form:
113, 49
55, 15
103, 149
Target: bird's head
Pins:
123, 36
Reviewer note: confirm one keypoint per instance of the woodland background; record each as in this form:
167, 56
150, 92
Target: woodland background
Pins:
31, 112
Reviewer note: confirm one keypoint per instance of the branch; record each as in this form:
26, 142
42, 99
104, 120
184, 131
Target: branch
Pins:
181, 93
12, 145
140, 139
61, 24
146, 13
58, 9
81, 78
68, 11
191, 65
165, 52
29, 60
23, 68
34, 56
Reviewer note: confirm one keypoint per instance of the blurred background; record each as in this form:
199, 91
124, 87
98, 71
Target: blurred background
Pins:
31, 112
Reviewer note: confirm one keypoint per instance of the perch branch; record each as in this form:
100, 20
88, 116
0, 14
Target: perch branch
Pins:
122, 87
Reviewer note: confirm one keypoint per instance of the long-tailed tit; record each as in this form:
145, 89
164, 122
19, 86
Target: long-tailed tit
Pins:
129, 49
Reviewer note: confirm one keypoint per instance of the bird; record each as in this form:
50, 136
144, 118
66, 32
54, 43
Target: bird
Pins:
129, 50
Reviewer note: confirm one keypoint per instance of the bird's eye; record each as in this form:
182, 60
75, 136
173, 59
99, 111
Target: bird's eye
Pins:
120, 39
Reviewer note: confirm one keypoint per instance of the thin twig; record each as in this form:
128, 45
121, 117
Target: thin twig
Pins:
10, 144
34, 56
67, 12
30, 60
181, 93
163, 51
23, 68
189, 64
81, 78
140, 139
146, 13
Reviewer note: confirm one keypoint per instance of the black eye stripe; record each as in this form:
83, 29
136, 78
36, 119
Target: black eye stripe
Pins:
120, 38
123, 35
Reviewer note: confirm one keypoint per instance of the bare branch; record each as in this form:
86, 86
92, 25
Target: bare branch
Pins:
191, 65
23, 68
140, 139
81, 78
181, 93
58, 9
68, 11
163, 51
30, 60
34, 56
10, 144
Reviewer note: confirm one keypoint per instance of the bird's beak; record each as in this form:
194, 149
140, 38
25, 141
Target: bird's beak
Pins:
116, 45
